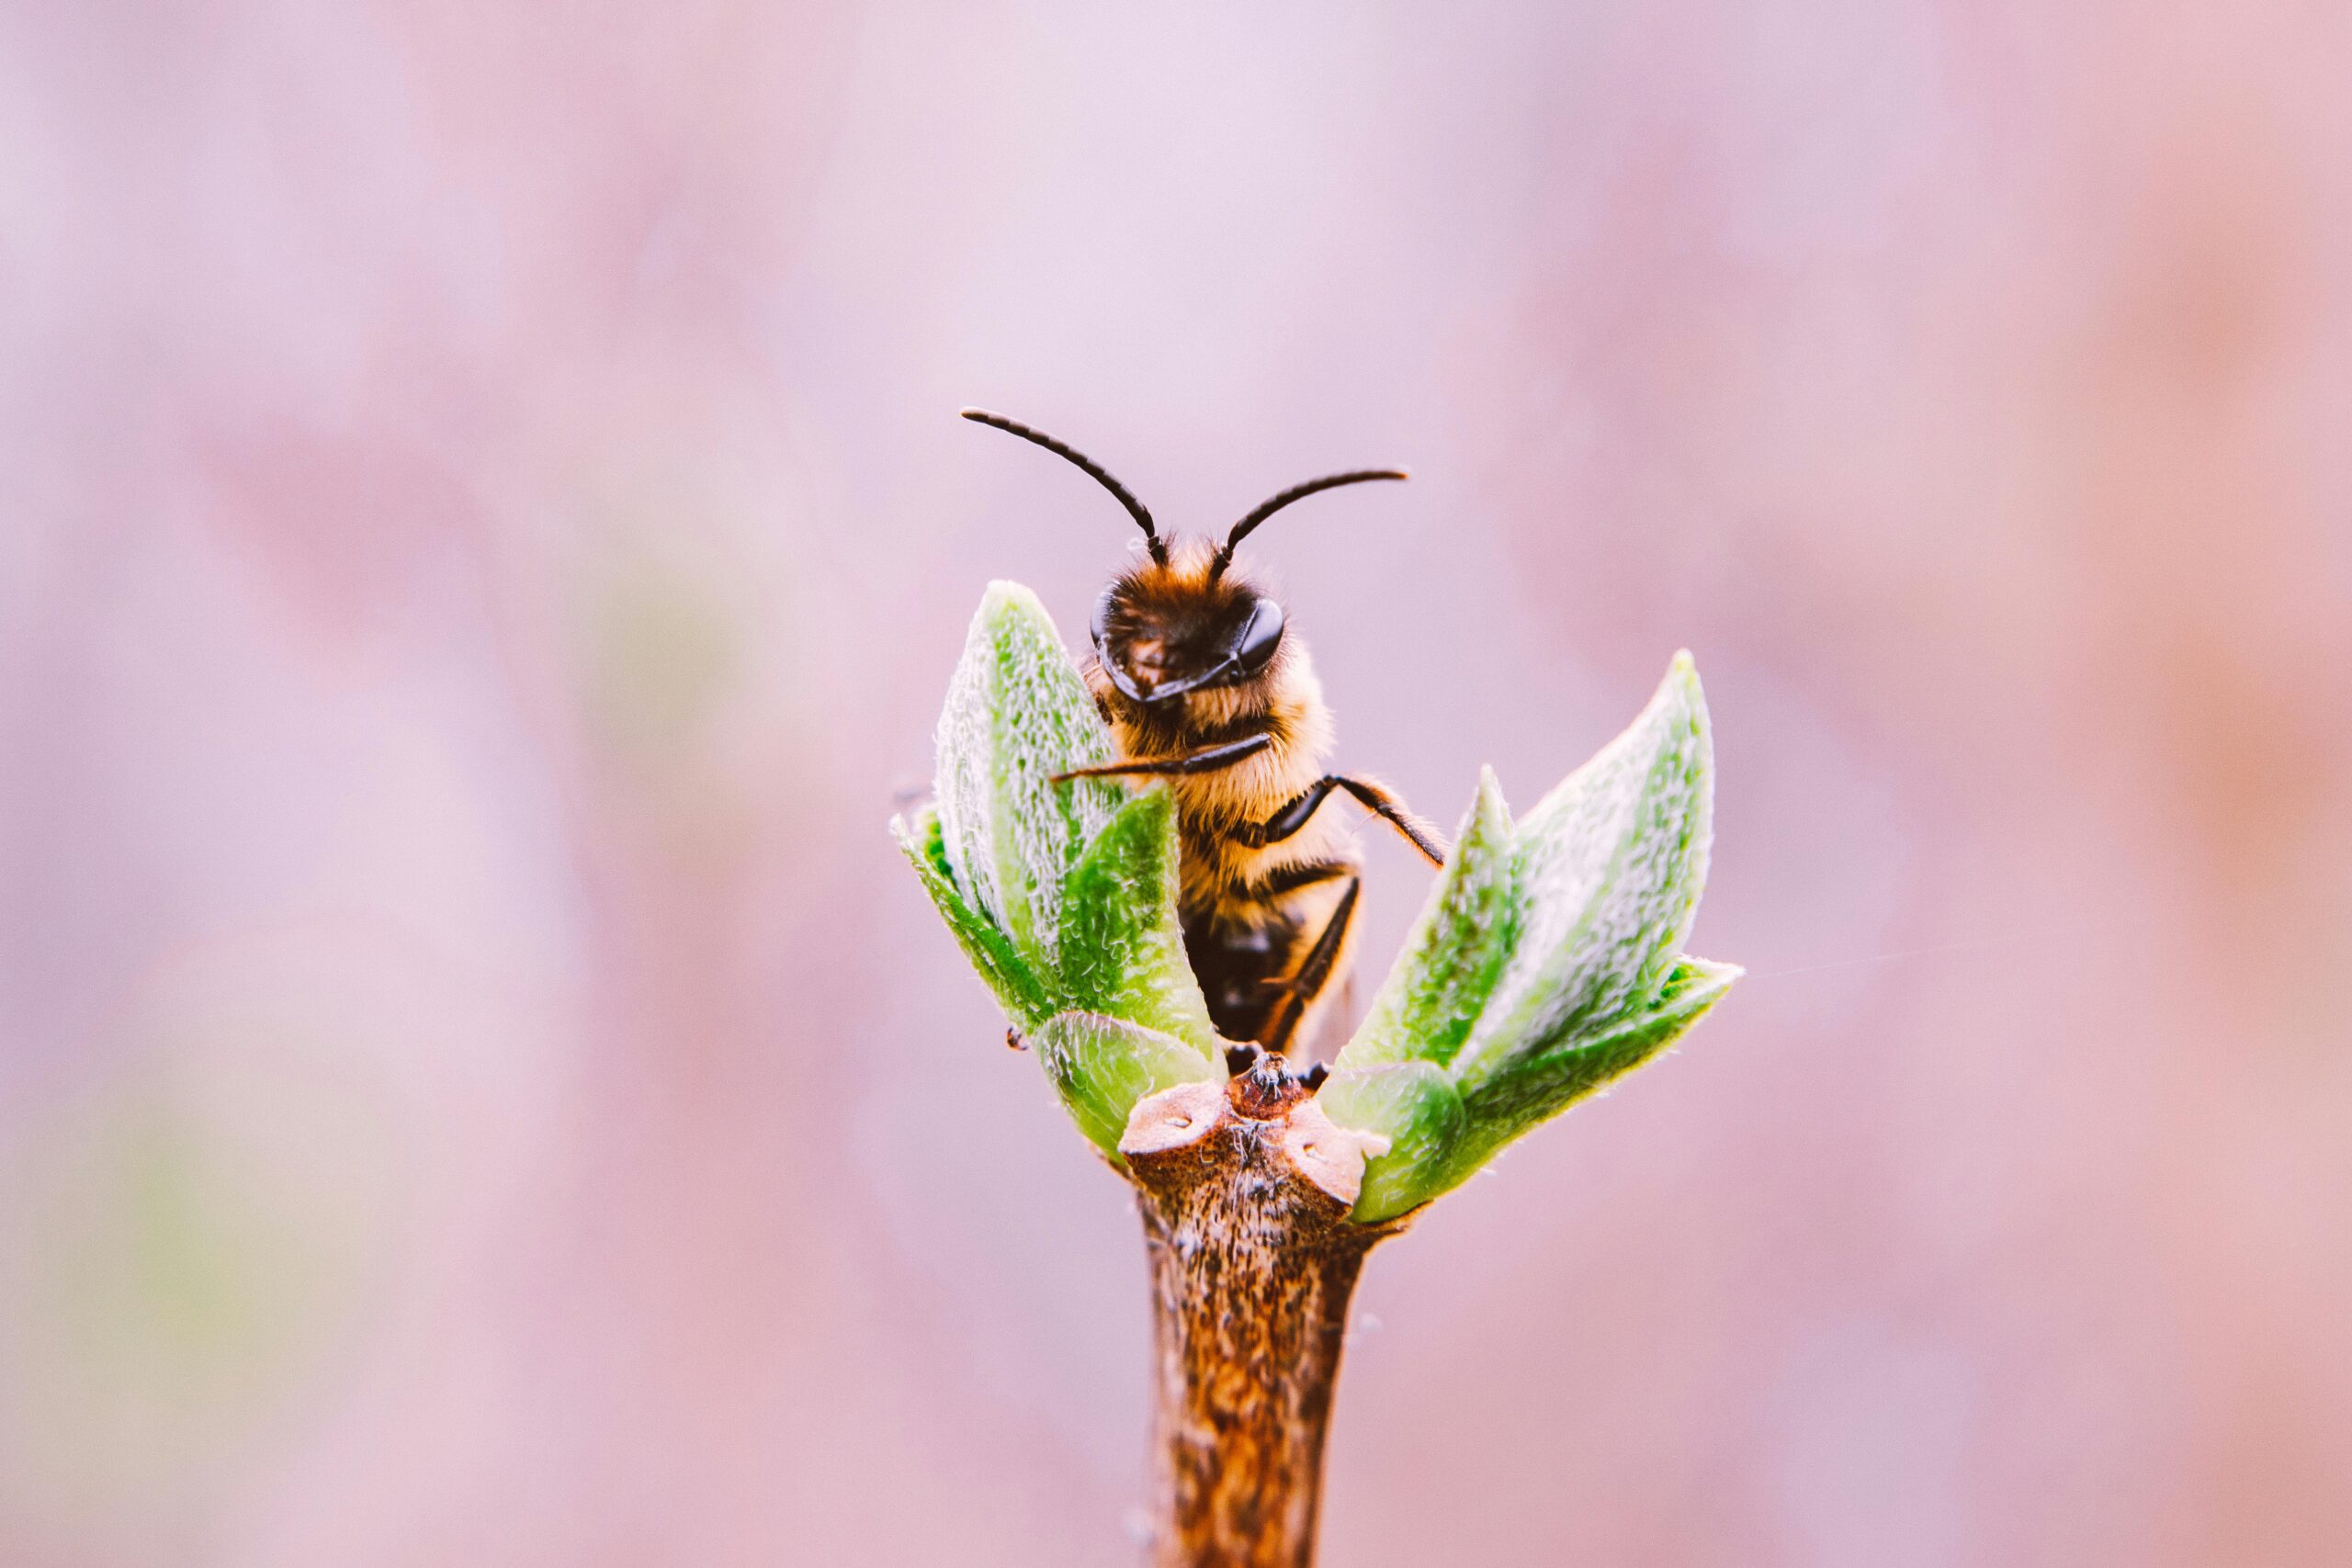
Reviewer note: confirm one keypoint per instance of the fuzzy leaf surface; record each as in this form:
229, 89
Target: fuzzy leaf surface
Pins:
1026, 999
1546, 961
1063, 896
1102, 1066
1606, 883
1122, 947
1415, 1106
1016, 715
1536, 1088
1425, 1008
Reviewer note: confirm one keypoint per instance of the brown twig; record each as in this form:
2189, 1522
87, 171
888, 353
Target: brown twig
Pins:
1245, 1189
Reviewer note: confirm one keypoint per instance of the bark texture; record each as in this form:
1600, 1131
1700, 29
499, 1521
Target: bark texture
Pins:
1245, 1189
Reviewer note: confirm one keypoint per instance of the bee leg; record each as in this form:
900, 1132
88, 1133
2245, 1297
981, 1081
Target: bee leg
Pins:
1398, 815
1291, 878
1314, 971
1207, 759
1374, 799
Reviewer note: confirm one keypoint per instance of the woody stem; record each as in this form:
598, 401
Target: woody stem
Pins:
1253, 1260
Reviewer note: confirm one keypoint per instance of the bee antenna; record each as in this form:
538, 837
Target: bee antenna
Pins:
1102, 475
1266, 509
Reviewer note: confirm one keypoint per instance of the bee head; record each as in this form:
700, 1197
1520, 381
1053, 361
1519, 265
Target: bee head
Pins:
1171, 626
1168, 628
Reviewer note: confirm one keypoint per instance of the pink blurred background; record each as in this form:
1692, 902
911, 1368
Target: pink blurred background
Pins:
483, 534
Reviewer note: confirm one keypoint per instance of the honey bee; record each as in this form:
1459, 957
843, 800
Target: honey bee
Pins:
1204, 685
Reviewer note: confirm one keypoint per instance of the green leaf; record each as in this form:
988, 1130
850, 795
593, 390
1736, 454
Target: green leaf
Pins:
1415, 1106
1545, 964
1607, 878
1122, 946
1439, 1137
1102, 1066
1016, 715
1536, 1088
1018, 990
1425, 1008
1062, 895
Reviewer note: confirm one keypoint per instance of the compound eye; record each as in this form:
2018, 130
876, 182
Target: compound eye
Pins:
1259, 637
1099, 629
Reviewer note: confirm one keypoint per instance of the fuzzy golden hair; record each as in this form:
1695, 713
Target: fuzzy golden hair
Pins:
1284, 701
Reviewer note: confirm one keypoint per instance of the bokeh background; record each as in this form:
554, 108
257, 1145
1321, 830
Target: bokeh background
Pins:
483, 534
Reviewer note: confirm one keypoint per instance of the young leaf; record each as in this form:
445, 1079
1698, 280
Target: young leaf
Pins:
1545, 964
1414, 1106
1425, 1006
1062, 895
1018, 990
1016, 715
1538, 1087
1121, 949
1102, 1066
1608, 871
1440, 1138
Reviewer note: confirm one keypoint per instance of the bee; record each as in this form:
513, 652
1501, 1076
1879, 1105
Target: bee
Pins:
1204, 685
